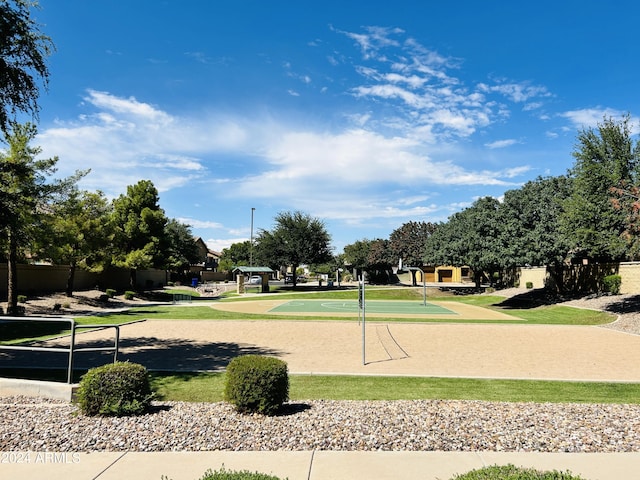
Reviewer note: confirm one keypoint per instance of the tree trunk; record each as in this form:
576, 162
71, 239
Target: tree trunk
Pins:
133, 278
70, 278
12, 280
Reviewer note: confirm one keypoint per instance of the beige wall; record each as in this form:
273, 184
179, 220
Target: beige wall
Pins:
53, 278
628, 271
535, 275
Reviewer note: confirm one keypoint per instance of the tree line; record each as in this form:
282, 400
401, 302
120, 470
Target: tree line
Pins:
589, 215
52, 220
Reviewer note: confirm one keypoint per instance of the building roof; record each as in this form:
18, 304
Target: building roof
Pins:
245, 269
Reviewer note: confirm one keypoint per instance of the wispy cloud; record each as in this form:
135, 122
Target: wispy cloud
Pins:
501, 143
423, 88
404, 133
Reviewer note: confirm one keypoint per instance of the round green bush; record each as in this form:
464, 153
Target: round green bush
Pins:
256, 383
511, 472
119, 389
223, 474
611, 284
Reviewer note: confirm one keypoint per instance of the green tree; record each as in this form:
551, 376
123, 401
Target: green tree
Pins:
23, 53
626, 198
182, 248
140, 239
530, 219
26, 195
380, 260
296, 239
79, 234
605, 158
408, 243
469, 238
236, 255
356, 256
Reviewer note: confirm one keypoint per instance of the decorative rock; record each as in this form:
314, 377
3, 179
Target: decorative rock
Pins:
38, 425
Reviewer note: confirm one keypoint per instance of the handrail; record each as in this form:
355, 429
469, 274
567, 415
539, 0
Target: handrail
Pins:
73, 325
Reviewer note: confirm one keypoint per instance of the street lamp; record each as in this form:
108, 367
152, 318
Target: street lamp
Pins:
251, 241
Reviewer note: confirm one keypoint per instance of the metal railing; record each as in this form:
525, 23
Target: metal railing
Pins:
71, 349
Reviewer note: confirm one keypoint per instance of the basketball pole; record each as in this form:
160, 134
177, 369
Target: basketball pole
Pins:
362, 309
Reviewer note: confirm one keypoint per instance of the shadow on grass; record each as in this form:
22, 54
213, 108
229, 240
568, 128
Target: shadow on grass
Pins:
169, 355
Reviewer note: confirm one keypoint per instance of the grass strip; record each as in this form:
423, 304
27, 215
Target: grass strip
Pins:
209, 387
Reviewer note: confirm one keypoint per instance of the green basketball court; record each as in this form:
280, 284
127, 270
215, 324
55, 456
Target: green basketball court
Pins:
351, 306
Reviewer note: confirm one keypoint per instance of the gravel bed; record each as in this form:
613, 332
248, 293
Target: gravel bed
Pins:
424, 425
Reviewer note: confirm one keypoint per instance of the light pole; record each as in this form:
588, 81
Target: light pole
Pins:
251, 241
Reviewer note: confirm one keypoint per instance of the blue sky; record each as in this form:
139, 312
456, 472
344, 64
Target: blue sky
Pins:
366, 115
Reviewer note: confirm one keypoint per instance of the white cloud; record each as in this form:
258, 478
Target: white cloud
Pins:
516, 92
219, 244
591, 117
501, 143
200, 223
124, 140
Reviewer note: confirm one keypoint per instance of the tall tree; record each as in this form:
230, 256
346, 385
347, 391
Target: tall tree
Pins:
529, 218
79, 234
380, 260
23, 53
26, 194
626, 198
296, 239
140, 237
408, 243
356, 255
237, 254
470, 237
182, 249
605, 157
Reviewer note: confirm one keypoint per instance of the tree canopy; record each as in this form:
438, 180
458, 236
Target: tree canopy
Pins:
296, 239
605, 157
470, 238
140, 239
79, 233
23, 53
27, 195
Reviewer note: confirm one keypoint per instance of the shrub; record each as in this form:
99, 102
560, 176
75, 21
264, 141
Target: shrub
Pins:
57, 307
128, 295
529, 285
104, 298
120, 388
611, 284
22, 298
511, 472
255, 383
223, 474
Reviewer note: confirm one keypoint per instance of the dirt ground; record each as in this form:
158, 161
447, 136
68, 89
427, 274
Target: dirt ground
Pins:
335, 347
442, 350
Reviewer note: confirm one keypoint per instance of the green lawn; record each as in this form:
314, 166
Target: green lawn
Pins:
209, 387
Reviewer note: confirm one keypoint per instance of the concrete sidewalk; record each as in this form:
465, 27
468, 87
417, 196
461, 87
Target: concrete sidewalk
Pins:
306, 465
